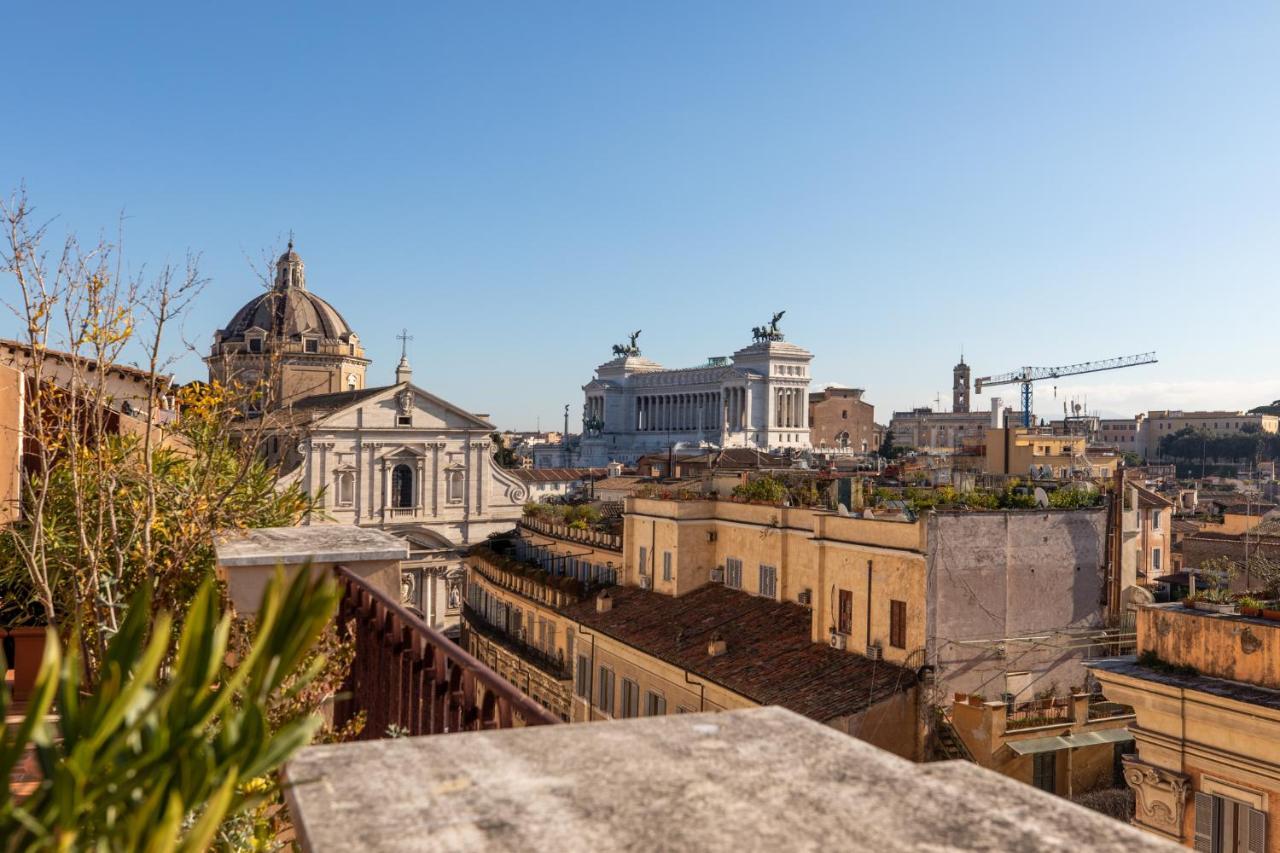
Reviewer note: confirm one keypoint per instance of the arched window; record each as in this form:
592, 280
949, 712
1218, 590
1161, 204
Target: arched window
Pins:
346, 487
402, 486
455, 486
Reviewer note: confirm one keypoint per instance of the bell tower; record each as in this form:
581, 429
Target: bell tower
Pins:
960, 386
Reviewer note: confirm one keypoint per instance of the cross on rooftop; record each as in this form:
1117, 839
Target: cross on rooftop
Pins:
404, 337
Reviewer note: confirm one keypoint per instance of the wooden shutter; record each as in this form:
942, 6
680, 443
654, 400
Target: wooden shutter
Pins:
898, 624
1208, 816
1257, 831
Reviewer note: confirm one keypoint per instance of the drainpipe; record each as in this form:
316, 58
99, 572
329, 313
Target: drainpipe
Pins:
591, 673
868, 604
702, 691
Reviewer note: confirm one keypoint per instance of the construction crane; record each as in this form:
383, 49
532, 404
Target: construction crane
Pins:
1027, 375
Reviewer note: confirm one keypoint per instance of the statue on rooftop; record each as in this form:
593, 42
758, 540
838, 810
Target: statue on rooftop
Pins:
628, 349
770, 332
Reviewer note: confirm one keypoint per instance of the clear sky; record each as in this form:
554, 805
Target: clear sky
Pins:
521, 184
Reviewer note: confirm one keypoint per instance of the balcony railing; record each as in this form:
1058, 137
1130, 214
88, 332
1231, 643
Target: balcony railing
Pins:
1040, 712
554, 666
594, 538
408, 675
527, 579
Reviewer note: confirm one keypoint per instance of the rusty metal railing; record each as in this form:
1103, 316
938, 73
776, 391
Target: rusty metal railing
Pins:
408, 675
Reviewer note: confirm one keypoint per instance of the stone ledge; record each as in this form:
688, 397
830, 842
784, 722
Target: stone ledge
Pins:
763, 778
315, 543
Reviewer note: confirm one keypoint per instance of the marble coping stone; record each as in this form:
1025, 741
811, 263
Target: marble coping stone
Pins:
318, 543
758, 779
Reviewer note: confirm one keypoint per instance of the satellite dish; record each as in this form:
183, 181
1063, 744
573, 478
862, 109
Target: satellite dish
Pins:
843, 510
1042, 498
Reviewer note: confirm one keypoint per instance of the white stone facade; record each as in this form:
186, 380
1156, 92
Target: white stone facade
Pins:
758, 399
402, 460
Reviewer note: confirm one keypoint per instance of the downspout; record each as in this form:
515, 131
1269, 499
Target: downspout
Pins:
868, 604
702, 691
591, 673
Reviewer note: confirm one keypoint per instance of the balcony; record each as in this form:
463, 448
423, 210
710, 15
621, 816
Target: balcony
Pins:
593, 538
1039, 712
554, 666
526, 579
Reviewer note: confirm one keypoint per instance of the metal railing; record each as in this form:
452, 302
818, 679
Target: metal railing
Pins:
594, 538
553, 665
1040, 712
408, 675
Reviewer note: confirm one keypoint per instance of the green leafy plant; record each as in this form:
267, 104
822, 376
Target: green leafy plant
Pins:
160, 753
764, 489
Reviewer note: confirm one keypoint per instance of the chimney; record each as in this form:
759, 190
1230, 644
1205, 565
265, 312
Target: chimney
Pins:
604, 602
717, 646
997, 413
404, 373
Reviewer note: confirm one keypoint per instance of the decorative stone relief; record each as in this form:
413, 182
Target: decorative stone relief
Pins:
1161, 796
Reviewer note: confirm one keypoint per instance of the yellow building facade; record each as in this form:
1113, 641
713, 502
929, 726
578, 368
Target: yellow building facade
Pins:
687, 626
1205, 688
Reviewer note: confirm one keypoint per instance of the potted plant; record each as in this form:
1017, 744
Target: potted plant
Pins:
961, 698
1217, 601
1189, 601
1249, 606
22, 624
977, 700
1271, 610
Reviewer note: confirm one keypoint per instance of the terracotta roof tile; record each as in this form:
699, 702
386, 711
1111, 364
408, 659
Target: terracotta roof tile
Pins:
770, 657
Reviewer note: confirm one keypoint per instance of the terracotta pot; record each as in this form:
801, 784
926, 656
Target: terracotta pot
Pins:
28, 651
977, 701
1274, 615
961, 698
1250, 611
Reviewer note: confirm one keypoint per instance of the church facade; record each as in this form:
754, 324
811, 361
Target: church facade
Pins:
757, 398
395, 457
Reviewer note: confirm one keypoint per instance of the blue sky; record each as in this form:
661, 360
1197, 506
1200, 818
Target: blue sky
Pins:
521, 184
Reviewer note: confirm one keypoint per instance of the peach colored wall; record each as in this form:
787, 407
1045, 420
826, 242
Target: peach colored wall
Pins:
1224, 647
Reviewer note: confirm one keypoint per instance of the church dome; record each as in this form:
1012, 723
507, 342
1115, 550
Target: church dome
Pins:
288, 310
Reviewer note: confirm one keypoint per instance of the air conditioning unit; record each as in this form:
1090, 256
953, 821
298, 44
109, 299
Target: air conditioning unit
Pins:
805, 597
839, 641
717, 574
646, 582
875, 652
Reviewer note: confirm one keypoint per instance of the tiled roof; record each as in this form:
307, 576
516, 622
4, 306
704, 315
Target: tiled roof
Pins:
1181, 525
770, 657
337, 400
556, 475
1146, 497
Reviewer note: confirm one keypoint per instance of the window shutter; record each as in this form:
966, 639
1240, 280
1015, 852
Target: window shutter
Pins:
1206, 821
1257, 831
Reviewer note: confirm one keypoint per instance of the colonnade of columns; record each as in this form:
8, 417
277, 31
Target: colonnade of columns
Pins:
791, 408
694, 411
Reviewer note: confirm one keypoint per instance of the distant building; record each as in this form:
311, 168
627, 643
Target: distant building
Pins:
1221, 423
1125, 434
839, 419
1041, 455
924, 429
757, 398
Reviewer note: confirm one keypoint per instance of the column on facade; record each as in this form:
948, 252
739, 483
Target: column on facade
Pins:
746, 408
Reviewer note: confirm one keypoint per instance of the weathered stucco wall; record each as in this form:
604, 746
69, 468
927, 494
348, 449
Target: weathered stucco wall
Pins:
1221, 646
1004, 587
